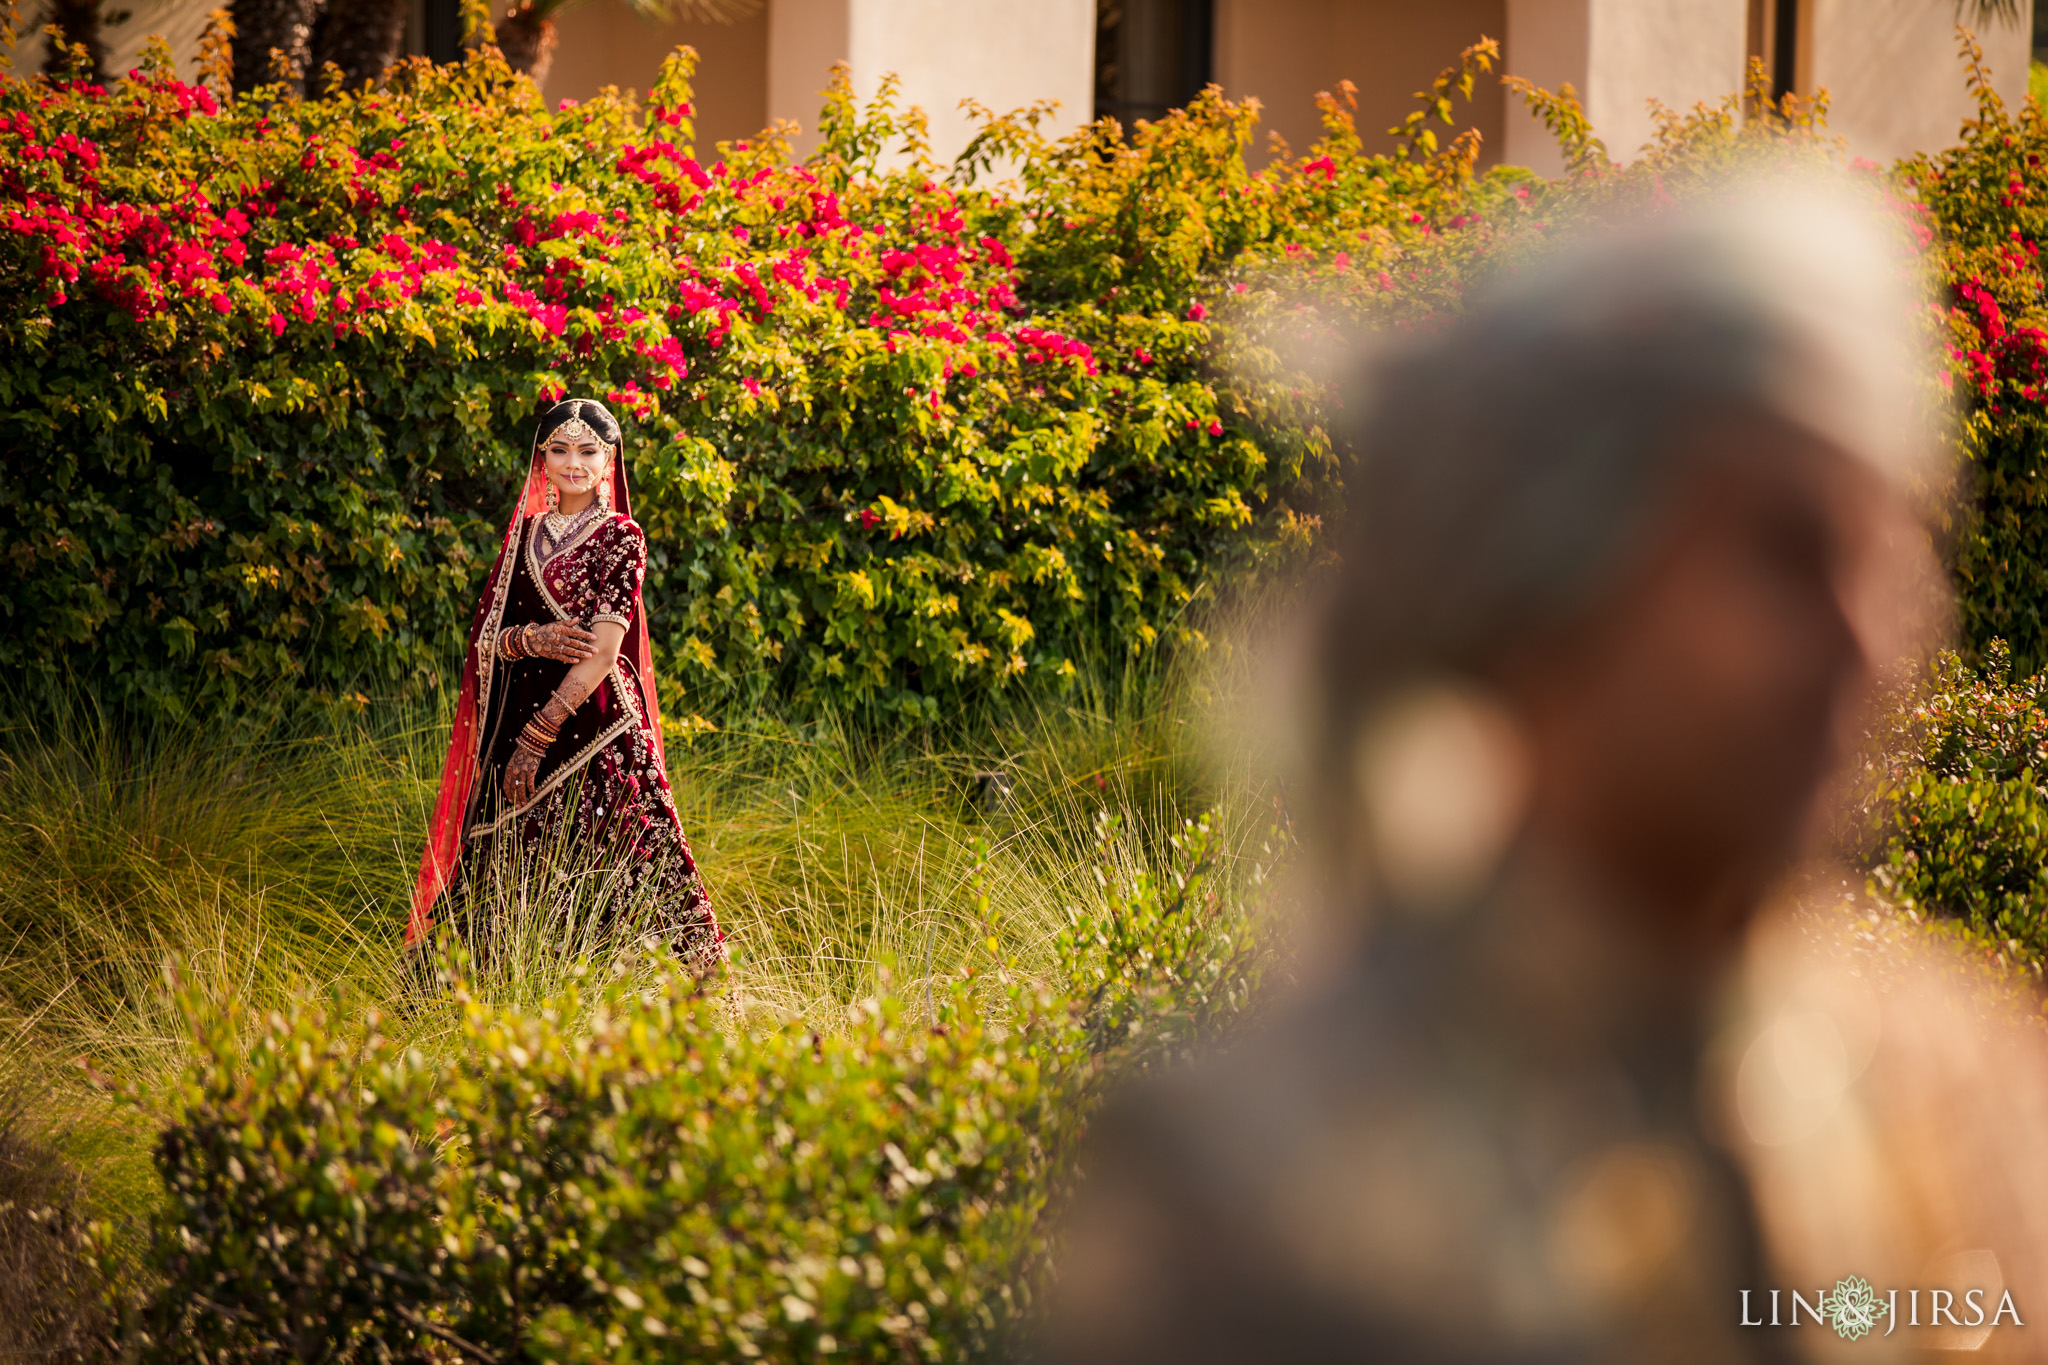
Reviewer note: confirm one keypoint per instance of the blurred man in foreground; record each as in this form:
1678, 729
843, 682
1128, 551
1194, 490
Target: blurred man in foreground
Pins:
1628, 543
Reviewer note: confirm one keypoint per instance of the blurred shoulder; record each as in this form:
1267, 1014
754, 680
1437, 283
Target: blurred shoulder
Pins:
1212, 1197
1248, 1112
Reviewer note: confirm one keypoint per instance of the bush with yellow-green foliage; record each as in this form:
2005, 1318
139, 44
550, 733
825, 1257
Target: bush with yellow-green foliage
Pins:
898, 436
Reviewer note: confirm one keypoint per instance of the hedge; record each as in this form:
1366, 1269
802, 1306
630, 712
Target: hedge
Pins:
1988, 200
1952, 816
897, 438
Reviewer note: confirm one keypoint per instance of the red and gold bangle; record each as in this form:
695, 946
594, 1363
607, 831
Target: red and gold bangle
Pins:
538, 735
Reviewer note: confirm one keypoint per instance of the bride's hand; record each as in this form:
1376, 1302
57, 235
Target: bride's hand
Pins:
519, 774
564, 640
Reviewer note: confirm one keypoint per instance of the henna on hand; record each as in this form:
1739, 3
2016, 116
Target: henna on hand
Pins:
520, 770
565, 641
524, 765
568, 696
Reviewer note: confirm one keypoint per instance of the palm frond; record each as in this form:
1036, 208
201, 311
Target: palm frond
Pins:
1990, 11
702, 11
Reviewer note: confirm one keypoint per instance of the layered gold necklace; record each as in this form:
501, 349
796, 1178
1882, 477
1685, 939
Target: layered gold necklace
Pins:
557, 527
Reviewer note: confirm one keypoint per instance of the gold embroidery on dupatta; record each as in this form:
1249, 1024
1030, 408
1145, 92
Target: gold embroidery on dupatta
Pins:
501, 597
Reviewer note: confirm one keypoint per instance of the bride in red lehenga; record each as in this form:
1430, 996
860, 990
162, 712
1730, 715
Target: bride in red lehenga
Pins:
555, 790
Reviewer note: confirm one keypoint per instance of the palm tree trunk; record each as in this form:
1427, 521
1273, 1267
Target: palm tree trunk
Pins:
362, 37
264, 25
80, 20
528, 41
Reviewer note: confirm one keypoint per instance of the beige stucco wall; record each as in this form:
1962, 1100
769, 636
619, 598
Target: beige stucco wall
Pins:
1282, 52
1894, 82
1004, 53
1550, 43
1888, 65
805, 38
601, 43
1679, 52
1619, 55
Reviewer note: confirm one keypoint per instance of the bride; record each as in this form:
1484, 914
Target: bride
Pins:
555, 774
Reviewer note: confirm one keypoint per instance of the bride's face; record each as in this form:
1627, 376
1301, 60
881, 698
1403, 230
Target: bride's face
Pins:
574, 464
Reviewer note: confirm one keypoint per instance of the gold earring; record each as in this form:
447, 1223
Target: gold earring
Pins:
553, 497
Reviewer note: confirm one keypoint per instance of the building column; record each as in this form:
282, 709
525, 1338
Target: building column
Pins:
1618, 55
1004, 53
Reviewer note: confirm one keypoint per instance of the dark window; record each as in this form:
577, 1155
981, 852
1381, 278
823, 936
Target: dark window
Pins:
434, 30
1785, 48
1151, 56
1778, 35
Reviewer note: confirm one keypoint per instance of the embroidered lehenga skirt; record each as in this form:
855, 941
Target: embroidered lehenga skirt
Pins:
599, 849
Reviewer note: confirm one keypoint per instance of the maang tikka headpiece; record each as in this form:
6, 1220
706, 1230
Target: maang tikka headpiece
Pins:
576, 429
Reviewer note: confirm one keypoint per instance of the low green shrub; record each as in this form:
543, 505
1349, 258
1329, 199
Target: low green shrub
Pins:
1953, 815
643, 1183
641, 1178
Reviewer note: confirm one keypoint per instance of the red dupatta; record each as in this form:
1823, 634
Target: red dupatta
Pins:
459, 770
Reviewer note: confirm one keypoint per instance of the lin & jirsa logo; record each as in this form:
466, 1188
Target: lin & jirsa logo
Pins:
1854, 1309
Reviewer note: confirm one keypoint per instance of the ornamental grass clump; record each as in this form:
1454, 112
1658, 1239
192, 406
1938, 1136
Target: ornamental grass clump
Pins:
262, 867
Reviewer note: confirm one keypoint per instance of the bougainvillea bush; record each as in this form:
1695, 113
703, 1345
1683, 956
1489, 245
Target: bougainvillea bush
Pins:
900, 434
896, 437
1952, 816
1989, 197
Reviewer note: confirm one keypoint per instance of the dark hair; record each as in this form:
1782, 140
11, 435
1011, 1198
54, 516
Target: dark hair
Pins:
594, 413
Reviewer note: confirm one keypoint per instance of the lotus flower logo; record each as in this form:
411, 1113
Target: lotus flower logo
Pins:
1853, 1308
